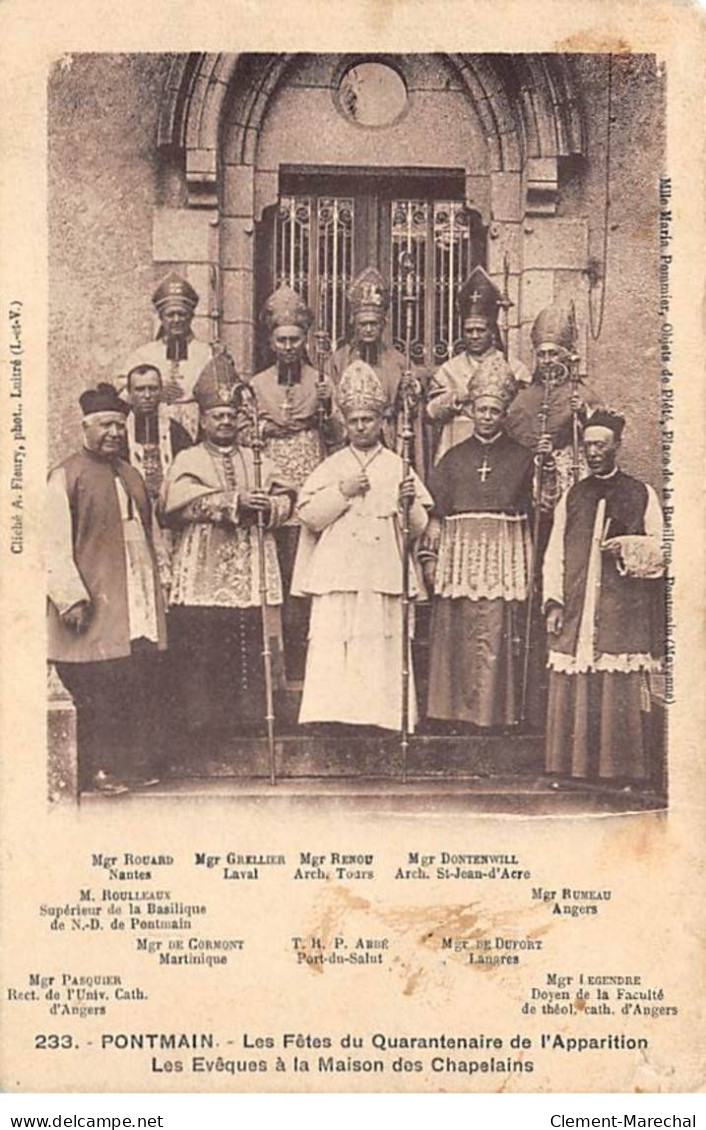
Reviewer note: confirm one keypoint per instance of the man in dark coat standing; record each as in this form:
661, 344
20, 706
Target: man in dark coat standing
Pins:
106, 620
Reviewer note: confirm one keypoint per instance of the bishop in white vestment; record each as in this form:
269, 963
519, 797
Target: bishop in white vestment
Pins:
350, 563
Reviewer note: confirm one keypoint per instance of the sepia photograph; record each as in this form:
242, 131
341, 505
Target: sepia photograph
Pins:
354, 428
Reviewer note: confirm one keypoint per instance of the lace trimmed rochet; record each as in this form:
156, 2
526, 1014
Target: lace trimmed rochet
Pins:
624, 664
484, 556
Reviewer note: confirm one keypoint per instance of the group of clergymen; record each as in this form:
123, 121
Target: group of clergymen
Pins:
165, 504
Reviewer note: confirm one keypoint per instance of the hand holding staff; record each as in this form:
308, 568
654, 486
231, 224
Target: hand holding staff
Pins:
257, 500
407, 492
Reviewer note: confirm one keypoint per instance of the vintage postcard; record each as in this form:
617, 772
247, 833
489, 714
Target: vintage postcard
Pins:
352, 599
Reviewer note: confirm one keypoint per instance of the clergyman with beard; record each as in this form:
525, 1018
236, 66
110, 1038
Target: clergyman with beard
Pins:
552, 388
368, 305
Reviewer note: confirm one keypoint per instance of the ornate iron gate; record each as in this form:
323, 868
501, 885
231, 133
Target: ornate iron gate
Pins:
318, 249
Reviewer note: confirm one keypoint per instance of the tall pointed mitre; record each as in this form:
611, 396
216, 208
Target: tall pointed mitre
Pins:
367, 293
218, 385
479, 297
553, 326
493, 378
285, 308
360, 389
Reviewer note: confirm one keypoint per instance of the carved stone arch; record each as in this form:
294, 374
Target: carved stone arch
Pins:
173, 112
488, 97
251, 107
213, 117
567, 105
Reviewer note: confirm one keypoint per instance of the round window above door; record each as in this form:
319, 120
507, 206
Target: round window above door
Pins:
371, 94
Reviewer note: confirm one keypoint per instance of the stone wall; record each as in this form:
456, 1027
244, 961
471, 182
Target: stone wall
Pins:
103, 186
624, 361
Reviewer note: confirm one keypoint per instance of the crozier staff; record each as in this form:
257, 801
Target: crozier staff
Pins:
106, 621
299, 422
547, 417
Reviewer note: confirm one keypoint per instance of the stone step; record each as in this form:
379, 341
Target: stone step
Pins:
336, 754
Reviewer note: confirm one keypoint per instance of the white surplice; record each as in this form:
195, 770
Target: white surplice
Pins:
350, 563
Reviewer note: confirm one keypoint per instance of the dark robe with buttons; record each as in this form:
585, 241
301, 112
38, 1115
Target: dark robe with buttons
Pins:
112, 678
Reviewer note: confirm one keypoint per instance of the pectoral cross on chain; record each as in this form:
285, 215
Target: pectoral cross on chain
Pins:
484, 470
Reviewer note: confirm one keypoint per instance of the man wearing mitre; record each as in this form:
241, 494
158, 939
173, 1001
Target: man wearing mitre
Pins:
477, 557
368, 305
604, 609
176, 352
541, 416
299, 422
350, 563
213, 502
448, 405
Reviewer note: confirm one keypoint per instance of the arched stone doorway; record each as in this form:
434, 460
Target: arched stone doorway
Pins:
260, 146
